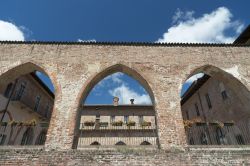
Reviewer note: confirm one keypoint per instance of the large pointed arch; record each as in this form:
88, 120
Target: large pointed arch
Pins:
230, 99
226, 78
90, 83
11, 73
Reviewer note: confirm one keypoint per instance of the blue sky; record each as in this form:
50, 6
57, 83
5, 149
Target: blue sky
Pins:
120, 20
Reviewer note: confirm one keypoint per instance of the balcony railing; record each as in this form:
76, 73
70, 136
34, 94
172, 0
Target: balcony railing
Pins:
116, 126
22, 133
217, 134
116, 141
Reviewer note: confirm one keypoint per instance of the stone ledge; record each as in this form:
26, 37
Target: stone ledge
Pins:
218, 148
36, 156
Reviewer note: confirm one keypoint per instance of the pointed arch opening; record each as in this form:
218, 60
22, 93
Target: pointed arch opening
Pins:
145, 143
120, 100
120, 143
215, 107
95, 143
26, 104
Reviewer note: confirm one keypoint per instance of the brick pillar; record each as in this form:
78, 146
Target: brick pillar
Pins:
168, 113
63, 120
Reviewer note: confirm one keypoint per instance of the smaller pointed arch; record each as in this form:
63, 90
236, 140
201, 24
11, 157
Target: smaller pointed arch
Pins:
145, 143
95, 143
120, 143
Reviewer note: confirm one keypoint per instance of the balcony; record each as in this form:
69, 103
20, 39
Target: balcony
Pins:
116, 126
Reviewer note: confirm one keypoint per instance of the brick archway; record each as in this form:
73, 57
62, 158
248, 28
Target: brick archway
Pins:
89, 85
23, 68
230, 98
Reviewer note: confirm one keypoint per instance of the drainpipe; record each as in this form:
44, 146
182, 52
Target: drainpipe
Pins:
9, 99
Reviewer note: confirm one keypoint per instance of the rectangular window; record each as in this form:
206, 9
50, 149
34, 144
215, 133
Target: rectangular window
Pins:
197, 109
38, 98
20, 91
208, 101
187, 114
140, 119
126, 119
224, 95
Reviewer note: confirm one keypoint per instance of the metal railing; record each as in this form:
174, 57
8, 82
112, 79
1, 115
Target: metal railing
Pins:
214, 134
110, 126
22, 134
116, 141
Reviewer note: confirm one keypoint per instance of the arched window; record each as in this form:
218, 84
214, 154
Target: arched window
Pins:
95, 143
220, 136
120, 143
21, 91
28, 137
240, 139
145, 143
41, 138
203, 138
191, 141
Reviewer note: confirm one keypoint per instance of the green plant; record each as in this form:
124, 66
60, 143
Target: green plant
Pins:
189, 123
104, 124
131, 123
21, 123
4, 123
13, 123
117, 123
32, 122
89, 123
145, 123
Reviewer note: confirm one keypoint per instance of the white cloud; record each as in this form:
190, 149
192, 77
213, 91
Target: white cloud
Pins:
189, 82
115, 78
119, 87
125, 94
210, 28
90, 40
194, 78
181, 16
9, 31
